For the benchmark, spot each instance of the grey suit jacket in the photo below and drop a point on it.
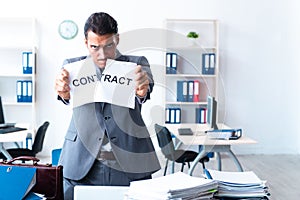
(124, 127)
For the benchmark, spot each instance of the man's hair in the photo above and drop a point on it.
(100, 23)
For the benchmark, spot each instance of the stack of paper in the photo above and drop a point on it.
(173, 186)
(238, 184)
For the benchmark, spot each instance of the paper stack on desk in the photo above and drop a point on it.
(173, 186)
(238, 184)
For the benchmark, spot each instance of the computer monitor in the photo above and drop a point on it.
(212, 112)
(2, 121)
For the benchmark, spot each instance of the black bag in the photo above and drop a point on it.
(49, 179)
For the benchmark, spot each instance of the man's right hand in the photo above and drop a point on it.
(62, 84)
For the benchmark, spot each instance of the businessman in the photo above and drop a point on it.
(106, 144)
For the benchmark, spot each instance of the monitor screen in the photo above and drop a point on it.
(212, 112)
(1, 113)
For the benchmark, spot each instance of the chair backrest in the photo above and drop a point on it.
(39, 138)
(165, 141)
(55, 155)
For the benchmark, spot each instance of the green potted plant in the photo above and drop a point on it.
(192, 35)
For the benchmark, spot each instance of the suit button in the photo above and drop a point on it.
(107, 117)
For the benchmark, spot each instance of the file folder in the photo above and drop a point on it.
(168, 63)
(29, 91)
(24, 91)
(177, 115)
(196, 91)
(201, 115)
(174, 63)
(172, 116)
(16, 182)
(182, 91)
(190, 91)
(30, 61)
(27, 62)
(20, 91)
(167, 115)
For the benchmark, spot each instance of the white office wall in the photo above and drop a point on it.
(259, 47)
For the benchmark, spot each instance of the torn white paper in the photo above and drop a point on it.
(116, 86)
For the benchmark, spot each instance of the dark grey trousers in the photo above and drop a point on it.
(100, 174)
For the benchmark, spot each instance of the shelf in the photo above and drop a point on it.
(195, 73)
(185, 103)
(17, 104)
(15, 47)
(190, 76)
(191, 48)
(17, 75)
(192, 20)
(18, 35)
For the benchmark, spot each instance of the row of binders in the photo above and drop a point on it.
(173, 115)
(188, 90)
(24, 91)
(171, 63)
(27, 62)
(208, 63)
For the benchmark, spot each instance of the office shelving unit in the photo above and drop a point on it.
(17, 35)
(189, 62)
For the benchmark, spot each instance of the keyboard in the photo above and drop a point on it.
(6, 125)
(11, 129)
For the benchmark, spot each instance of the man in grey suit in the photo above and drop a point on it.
(106, 144)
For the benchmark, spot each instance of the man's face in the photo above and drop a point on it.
(102, 47)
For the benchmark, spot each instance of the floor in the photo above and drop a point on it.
(282, 172)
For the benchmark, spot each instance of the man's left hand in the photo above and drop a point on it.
(142, 82)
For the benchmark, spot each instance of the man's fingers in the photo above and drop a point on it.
(62, 82)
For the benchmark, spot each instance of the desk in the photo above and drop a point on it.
(19, 136)
(83, 192)
(207, 144)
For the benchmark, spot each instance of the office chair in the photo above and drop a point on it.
(36, 147)
(166, 144)
(55, 155)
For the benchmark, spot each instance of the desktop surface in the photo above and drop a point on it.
(11, 129)
(199, 136)
(83, 192)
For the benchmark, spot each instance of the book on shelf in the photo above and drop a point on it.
(171, 63)
(208, 63)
